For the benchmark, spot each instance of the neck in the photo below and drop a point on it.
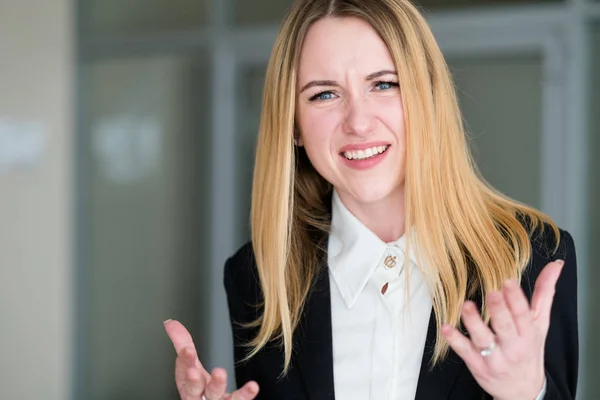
(384, 217)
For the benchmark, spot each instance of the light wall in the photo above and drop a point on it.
(36, 198)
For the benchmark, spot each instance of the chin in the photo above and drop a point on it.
(371, 193)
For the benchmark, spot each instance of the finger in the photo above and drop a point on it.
(465, 350)
(187, 359)
(518, 306)
(480, 333)
(247, 392)
(190, 380)
(191, 383)
(215, 390)
(501, 318)
(184, 346)
(180, 337)
(543, 294)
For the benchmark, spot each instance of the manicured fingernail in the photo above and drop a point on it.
(165, 321)
(560, 263)
(253, 388)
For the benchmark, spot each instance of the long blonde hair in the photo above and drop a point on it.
(471, 236)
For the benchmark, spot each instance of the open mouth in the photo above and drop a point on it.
(365, 154)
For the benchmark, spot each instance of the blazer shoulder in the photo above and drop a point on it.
(545, 248)
(242, 260)
(241, 276)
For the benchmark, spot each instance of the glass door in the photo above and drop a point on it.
(501, 100)
(146, 238)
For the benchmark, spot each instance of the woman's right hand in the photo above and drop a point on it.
(193, 381)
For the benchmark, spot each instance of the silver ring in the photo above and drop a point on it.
(486, 352)
(203, 397)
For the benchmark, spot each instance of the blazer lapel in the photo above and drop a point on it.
(315, 349)
(437, 383)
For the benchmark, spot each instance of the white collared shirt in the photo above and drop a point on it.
(378, 339)
(377, 343)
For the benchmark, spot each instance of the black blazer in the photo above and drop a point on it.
(311, 373)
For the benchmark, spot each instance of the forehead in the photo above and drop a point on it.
(336, 45)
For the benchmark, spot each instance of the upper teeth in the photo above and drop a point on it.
(360, 154)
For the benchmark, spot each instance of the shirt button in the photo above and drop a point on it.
(385, 288)
(390, 261)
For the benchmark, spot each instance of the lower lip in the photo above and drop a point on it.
(367, 162)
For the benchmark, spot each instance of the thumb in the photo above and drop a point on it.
(543, 294)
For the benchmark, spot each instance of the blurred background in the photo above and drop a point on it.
(127, 133)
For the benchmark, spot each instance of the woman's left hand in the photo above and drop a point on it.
(508, 362)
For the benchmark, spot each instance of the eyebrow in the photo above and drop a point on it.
(381, 73)
(334, 83)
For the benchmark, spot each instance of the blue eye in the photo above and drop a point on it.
(322, 96)
(385, 85)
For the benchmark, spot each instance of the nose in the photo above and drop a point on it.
(359, 119)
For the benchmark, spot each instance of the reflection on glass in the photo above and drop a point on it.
(118, 17)
(146, 212)
(126, 148)
(22, 144)
(501, 101)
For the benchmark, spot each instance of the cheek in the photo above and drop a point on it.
(391, 114)
(318, 128)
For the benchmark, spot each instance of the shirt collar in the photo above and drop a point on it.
(354, 252)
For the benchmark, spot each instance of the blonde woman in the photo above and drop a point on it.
(381, 265)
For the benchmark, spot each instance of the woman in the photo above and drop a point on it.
(382, 266)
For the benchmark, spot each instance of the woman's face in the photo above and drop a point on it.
(349, 110)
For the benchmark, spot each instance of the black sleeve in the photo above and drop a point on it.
(240, 312)
(244, 298)
(562, 344)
